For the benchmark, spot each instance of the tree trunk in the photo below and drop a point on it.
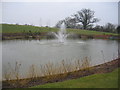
(84, 26)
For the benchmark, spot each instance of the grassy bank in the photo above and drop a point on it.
(88, 32)
(10, 28)
(107, 80)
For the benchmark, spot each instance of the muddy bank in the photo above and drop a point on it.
(25, 83)
(41, 35)
(11, 36)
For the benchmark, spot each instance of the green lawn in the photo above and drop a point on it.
(10, 28)
(88, 32)
(107, 80)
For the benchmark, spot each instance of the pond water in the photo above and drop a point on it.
(28, 52)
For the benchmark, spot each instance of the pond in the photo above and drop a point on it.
(37, 52)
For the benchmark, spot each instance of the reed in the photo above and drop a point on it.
(103, 56)
(49, 71)
(85, 63)
(7, 73)
(16, 71)
(32, 71)
(77, 65)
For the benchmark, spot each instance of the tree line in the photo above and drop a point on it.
(85, 19)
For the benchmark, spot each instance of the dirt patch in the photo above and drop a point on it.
(11, 36)
(25, 83)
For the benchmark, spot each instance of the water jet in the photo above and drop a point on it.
(61, 35)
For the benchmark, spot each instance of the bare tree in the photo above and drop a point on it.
(59, 23)
(98, 28)
(109, 27)
(70, 22)
(118, 30)
(86, 17)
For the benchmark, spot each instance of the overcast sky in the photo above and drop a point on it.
(49, 13)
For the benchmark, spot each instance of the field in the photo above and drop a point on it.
(88, 32)
(106, 80)
(10, 28)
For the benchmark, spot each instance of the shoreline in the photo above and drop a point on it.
(15, 31)
(42, 35)
(102, 68)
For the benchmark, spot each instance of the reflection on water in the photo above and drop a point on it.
(40, 52)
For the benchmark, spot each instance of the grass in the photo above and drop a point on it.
(107, 80)
(10, 28)
(88, 32)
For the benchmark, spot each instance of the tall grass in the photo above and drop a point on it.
(50, 71)
(7, 73)
(32, 71)
(103, 55)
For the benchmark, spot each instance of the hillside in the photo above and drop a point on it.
(11, 28)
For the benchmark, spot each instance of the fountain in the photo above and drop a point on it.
(61, 34)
